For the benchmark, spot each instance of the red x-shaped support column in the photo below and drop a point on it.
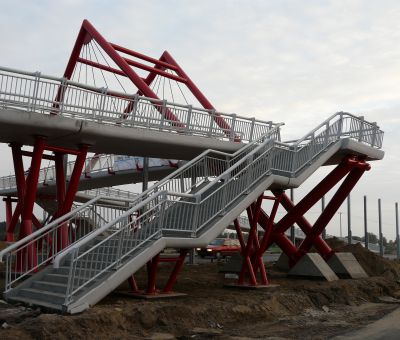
(252, 252)
(352, 168)
(27, 182)
(152, 270)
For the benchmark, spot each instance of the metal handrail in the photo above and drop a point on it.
(41, 247)
(25, 90)
(263, 151)
(250, 164)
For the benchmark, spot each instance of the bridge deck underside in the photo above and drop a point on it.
(21, 127)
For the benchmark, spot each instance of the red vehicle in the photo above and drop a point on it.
(219, 248)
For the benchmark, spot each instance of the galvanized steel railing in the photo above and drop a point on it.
(187, 200)
(49, 95)
(190, 198)
(35, 251)
(110, 192)
(48, 174)
(95, 164)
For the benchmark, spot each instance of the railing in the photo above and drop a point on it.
(110, 192)
(95, 164)
(35, 92)
(208, 186)
(187, 200)
(48, 174)
(28, 255)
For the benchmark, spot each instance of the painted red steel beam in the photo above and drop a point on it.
(313, 196)
(15, 217)
(239, 234)
(31, 185)
(133, 284)
(198, 94)
(74, 180)
(247, 265)
(330, 210)
(152, 267)
(9, 235)
(62, 236)
(157, 71)
(177, 268)
(29, 201)
(135, 54)
(101, 66)
(29, 154)
(131, 74)
(280, 239)
(62, 150)
(320, 244)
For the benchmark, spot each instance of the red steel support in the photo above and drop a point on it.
(9, 234)
(152, 267)
(88, 32)
(253, 251)
(330, 210)
(62, 235)
(351, 166)
(174, 275)
(199, 95)
(74, 180)
(29, 200)
(31, 185)
(133, 284)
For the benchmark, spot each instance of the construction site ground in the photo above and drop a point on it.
(294, 309)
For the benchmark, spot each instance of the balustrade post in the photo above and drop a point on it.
(360, 134)
(35, 91)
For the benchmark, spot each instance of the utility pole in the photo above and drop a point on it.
(380, 228)
(340, 223)
(396, 206)
(365, 224)
(349, 235)
(292, 231)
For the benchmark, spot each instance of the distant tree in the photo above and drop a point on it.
(357, 238)
(372, 238)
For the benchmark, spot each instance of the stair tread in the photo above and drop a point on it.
(36, 302)
(41, 291)
(56, 284)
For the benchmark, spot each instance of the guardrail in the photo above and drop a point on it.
(188, 210)
(44, 94)
(195, 194)
(28, 255)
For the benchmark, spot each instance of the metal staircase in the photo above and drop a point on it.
(186, 209)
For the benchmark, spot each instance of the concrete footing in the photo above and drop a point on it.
(283, 263)
(346, 266)
(312, 265)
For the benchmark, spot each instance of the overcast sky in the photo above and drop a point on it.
(291, 61)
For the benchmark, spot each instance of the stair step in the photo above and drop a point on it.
(42, 295)
(50, 286)
(36, 302)
(56, 278)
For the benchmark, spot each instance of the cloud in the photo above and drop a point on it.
(291, 61)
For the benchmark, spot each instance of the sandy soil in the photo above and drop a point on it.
(295, 309)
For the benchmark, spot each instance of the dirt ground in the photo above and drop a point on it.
(295, 309)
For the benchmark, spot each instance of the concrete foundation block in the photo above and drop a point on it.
(312, 265)
(282, 263)
(346, 266)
